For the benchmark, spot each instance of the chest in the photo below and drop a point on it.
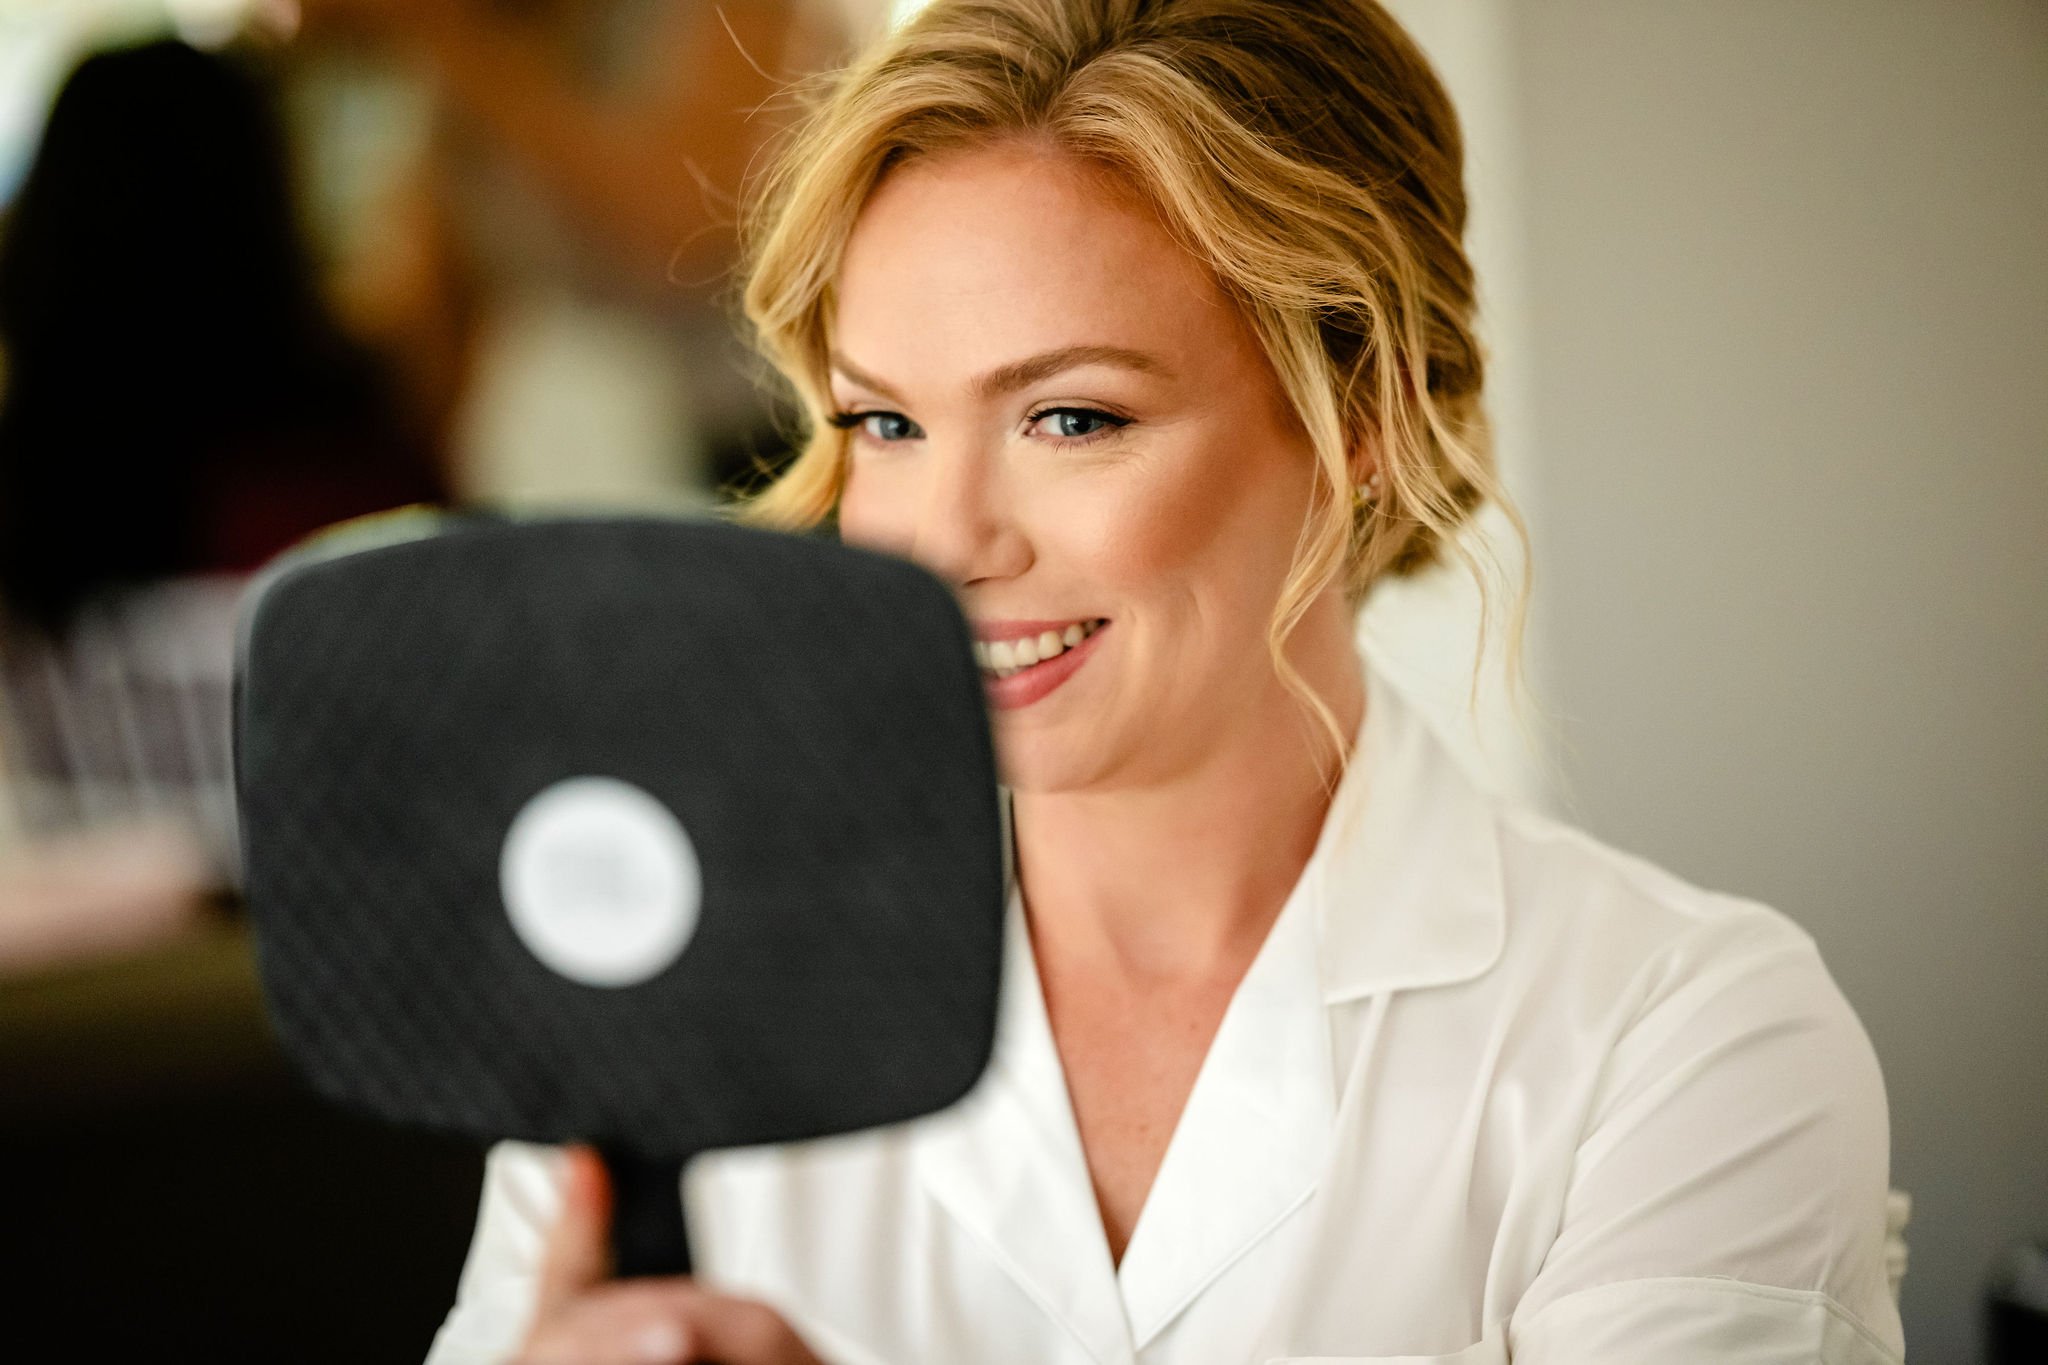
(1280, 1224)
(1130, 1057)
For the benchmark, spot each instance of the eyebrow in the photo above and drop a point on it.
(1019, 374)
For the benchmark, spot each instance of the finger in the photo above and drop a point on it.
(635, 1322)
(741, 1332)
(579, 1247)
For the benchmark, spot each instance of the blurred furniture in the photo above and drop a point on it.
(2016, 1307)
(118, 728)
(177, 1194)
(1898, 1211)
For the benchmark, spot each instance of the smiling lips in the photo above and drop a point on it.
(1022, 661)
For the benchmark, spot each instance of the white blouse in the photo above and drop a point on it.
(1490, 1091)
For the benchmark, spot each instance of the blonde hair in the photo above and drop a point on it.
(1304, 149)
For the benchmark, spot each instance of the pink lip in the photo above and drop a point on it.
(988, 632)
(1022, 689)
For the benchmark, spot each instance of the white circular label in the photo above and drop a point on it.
(600, 881)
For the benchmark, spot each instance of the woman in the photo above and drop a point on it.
(1148, 325)
(179, 406)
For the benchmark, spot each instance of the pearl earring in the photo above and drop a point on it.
(1369, 491)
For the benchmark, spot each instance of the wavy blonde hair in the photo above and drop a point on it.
(1304, 149)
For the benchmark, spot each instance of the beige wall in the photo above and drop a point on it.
(1423, 631)
(1788, 329)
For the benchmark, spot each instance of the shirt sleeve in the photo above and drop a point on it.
(1727, 1196)
(494, 1300)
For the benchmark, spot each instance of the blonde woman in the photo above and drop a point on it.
(1147, 324)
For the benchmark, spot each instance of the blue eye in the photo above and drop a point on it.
(1077, 424)
(891, 426)
(879, 426)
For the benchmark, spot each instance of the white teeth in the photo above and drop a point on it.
(1006, 657)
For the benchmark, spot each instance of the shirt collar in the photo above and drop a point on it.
(1405, 881)
(1406, 876)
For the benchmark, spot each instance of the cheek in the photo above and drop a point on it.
(874, 513)
(1213, 525)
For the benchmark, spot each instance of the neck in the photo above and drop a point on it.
(1181, 878)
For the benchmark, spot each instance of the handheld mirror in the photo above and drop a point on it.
(668, 836)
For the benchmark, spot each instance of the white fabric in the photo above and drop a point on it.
(1490, 1091)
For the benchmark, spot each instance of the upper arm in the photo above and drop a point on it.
(1727, 1194)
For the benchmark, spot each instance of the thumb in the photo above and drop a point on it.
(578, 1253)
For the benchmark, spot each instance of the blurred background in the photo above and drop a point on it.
(1767, 290)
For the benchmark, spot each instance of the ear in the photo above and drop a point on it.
(1363, 462)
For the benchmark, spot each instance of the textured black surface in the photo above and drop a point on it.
(811, 713)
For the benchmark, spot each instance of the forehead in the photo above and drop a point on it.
(969, 260)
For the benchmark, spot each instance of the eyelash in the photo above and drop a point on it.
(1112, 423)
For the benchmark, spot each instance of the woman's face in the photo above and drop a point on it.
(1053, 407)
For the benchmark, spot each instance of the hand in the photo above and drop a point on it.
(587, 1318)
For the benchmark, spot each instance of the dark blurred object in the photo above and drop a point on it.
(177, 400)
(2017, 1306)
(717, 862)
(179, 1197)
(178, 407)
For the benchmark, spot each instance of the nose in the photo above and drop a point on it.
(967, 529)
